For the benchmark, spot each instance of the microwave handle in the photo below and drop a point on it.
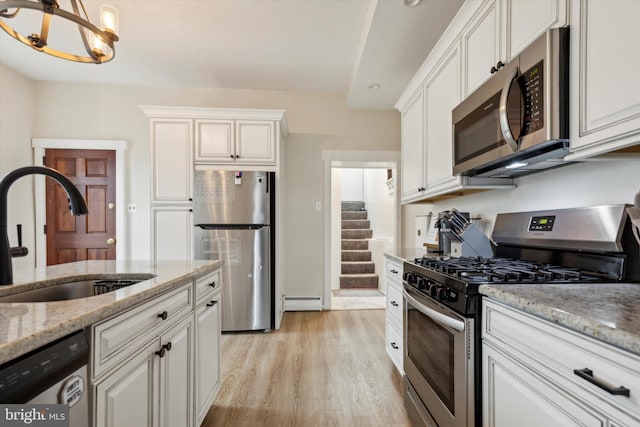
(502, 112)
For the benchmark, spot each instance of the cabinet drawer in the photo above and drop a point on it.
(121, 336)
(394, 305)
(393, 270)
(394, 346)
(560, 351)
(207, 285)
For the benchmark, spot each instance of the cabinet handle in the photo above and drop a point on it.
(232, 156)
(190, 199)
(393, 303)
(212, 284)
(587, 374)
(160, 352)
(167, 346)
(212, 303)
(394, 345)
(497, 67)
(163, 315)
(394, 271)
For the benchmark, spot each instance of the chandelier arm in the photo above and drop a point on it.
(83, 35)
(4, 13)
(41, 41)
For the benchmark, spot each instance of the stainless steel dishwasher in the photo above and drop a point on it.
(53, 374)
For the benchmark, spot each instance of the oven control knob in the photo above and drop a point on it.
(406, 275)
(434, 290)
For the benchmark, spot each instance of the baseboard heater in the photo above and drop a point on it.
(313, 303)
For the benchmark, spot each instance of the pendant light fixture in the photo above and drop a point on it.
(98, 43)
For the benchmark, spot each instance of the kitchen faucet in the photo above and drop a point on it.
(76, 204)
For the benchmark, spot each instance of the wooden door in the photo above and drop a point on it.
(91, 236)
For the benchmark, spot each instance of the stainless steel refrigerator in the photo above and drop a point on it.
(232, 217)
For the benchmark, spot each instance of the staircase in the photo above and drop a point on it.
(357, 270)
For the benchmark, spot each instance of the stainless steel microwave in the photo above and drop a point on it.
(517, 122)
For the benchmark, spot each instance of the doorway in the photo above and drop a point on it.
(87, 237)
(119, 147)
(383, 213)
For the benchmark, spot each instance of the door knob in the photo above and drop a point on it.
(111, 205)
(111, 241)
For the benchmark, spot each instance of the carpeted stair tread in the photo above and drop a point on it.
(358, 267)
(356, 224)
(358, 281)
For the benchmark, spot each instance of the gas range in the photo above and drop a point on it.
(562, 246)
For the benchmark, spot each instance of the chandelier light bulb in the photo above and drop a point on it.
(109, 19)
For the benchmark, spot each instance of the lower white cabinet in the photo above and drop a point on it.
(207, 355)
(394, 329)
(530, 374)
(168, 374)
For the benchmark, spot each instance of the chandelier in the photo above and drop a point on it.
(98, 43)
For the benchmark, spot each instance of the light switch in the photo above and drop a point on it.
(318, 206)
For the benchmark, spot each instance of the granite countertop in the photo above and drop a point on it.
(606, 311)
(405, 254)
(27, 326)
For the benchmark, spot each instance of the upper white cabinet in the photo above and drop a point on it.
(481, 45)
(235, 141)
(413, 147)
(605, 90)
(171, 160)
(525, 21)
(442, 94)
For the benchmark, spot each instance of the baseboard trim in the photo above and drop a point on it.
(313, 303)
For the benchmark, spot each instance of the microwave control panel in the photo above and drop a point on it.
(532, 86)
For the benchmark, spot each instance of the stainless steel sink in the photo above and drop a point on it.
(77, 289)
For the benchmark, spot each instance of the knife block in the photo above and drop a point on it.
(474, 244)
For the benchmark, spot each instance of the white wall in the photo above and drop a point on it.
(597, 182)
(17, 106)
(352, 184)
(317, 121)
(380, 203)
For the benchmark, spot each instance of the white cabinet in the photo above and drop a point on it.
(605, 90)
(171, 232)
(531, 373)
(235, 141)
(394, 312)
(525, 21)
(158, 364)
(499, 30)
(442, 94)
(481, 45)
(207, 355)
(128, 397)
(176, 376)
(171, 161)
(413, 160)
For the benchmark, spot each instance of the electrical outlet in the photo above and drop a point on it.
(131, 208)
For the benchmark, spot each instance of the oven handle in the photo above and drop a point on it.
(435, 315)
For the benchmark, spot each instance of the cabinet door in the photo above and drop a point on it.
(442, 94)
(172, 163)
(527, 20)
(171, 233)
(215, 141)
(176, 370)
(255, 142)
(207, 356)
(128, 397)
(412, 136)
(481, 46)
(605, 90)
(513, 395)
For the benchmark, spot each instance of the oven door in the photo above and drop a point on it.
(438, 359)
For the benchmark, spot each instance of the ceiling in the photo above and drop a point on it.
(291, 45)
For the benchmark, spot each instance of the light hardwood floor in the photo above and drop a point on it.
(320, 369)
